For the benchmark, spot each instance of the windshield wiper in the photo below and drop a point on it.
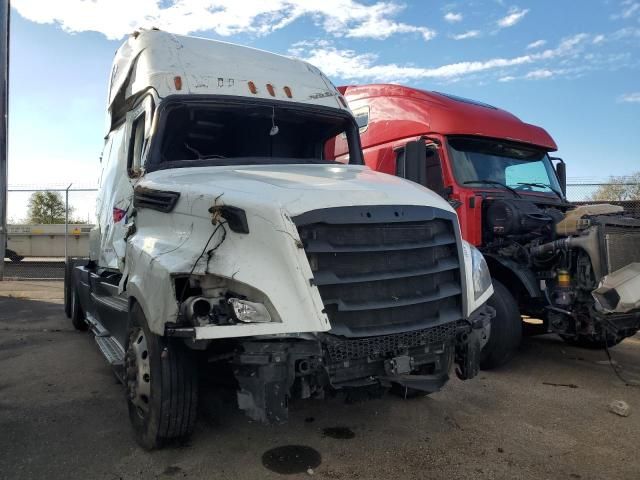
(494, 182)
(543, 185)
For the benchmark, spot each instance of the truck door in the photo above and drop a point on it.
(419, 162)
(121, 170)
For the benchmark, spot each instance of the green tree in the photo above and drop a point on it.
(46, 207)
(619, 188)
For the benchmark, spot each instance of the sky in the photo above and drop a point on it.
(572, 67)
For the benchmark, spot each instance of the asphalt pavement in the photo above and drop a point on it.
(545, 416)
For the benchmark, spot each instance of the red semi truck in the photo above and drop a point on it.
(548, 260)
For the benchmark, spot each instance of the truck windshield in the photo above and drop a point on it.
(517, 167)
(247, 133)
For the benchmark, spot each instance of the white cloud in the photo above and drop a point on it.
(629, 9)
(453, 17)
(633, 97)
(539, 74)
(466, 35)
(598, 39)
(116, 18)
(536, 44)
(508, 78)
(349, 65)
(627, 32)
(514, 16)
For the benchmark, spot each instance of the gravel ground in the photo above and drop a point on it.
(545, 416)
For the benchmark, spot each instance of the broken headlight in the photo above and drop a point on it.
(249, 312)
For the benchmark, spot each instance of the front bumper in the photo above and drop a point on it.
(270, 370)
(471, 339)
(619, 324)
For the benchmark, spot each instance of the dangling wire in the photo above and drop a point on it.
(627, 383)
(274, 128)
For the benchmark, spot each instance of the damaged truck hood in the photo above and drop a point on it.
(294, 189)
(266, 255)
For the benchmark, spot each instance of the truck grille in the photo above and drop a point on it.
(341, 349)
(383, 271)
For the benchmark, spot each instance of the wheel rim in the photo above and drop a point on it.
(139, 373)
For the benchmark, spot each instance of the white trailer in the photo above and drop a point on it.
(47, 240)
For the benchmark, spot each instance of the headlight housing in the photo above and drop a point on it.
(249, 312)
(479, 269)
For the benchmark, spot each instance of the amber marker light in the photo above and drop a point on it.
(271, 90)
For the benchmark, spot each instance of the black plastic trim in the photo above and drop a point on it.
(330, 278)
(379, 215)
(522, 273)
(442, 292)
(160, 200)
(373, 214)
(313, 246)
(236, 218)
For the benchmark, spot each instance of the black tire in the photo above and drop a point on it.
(68, 281)
(171, 404)
(13, 256)
(591, 343)
(77, 315)
(506, 329)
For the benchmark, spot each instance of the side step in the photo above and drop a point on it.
(114, 354)
(96, 327)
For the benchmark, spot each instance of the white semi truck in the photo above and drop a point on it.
(227, 235)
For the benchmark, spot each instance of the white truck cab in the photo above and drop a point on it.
(227, 234)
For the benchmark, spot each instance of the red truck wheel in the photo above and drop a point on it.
(506, 329)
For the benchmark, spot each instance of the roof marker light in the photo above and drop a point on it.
(271, 90)
(287, 92)
(177, 81)
(252, 87)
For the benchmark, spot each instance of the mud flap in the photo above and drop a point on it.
(468, 355)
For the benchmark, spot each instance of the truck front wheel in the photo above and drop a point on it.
(161, 383)
(506, 329)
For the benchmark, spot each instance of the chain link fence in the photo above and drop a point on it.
(623, 192)
(45, 225)
(37, 250)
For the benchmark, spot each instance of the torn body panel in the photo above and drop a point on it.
(164, 246)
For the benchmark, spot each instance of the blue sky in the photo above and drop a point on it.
(571, 67)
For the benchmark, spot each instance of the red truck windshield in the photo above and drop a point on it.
(520, 168)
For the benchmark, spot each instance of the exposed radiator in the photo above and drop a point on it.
(622, 247)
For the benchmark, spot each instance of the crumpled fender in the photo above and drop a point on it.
(270, 258)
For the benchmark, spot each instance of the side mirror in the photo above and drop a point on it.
(561, 172)
(411, 162)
